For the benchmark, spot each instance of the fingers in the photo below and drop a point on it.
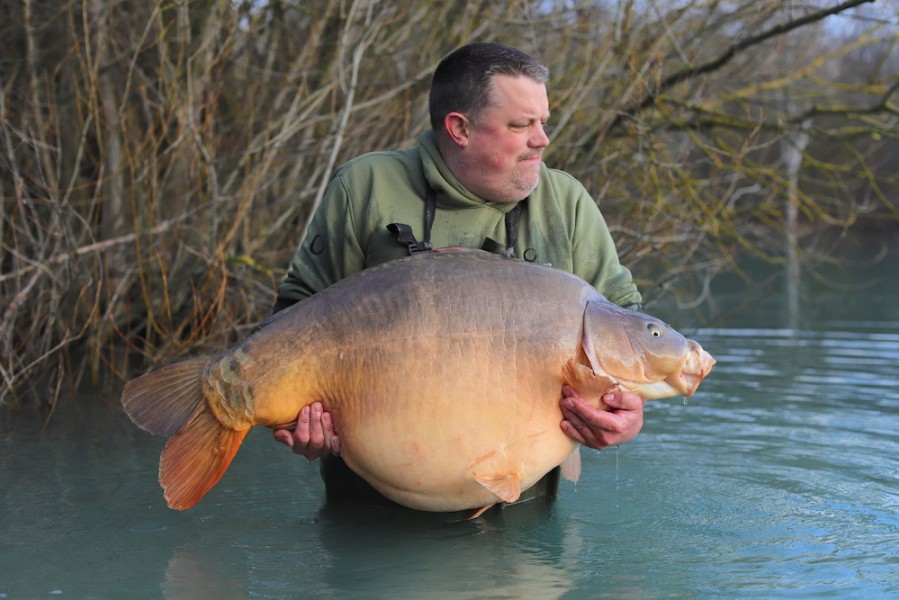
(620, 400)
(310, 427)
(333, 440)
(313, 436)
(618, 419)
(285, 436)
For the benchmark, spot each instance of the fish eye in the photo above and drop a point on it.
(654, 330)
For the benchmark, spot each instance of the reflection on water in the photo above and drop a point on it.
(779, 479)
(343, 552)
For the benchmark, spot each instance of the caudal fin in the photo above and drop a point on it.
(164, 401)
(169, 402)
(196, 458)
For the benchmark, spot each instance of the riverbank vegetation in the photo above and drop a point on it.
(159, 160)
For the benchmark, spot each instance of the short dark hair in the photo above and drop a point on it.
(463, 79)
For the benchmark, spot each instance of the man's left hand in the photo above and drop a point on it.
(617, 422)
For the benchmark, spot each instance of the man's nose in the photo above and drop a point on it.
(539, 139)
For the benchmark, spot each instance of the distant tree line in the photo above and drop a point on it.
(159, 159)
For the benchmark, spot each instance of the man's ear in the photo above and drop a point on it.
(457, 128)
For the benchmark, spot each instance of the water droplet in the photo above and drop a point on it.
(617, 461)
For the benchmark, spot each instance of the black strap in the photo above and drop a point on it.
(512, 219)
(430, 211)
(403, 233)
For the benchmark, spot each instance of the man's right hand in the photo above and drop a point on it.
(313, 435)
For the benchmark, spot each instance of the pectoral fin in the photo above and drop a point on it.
(585, 382)
(505, 486)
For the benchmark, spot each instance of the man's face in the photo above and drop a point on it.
(505, 147)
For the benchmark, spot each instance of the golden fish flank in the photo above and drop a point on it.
(457, 357)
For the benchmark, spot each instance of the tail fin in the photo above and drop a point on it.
(164, 401)
(196, 458)
(169, 402)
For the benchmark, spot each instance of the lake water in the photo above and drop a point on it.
(779, 479)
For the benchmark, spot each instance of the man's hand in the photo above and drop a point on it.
(313, 436)
(618, 422)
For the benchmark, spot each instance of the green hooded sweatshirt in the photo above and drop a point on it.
(560, 224)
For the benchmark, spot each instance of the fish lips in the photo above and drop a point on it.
(697, 367)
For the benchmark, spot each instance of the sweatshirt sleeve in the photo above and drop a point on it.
(329, 251)
(595, 256)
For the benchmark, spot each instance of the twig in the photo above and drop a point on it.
(95, 247)
(726, 56)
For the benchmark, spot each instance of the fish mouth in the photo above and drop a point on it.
(697, 366)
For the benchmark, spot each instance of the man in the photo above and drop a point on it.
(476, 177)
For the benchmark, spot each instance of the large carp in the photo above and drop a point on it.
(442, 371)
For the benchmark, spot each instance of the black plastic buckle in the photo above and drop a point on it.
(403, 235)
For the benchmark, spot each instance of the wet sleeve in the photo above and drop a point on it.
(329, 251)
(595, 256)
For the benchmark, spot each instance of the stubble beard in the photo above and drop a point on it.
(519, 183)
(524, 181)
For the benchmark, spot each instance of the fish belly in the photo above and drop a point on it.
(437, 371)
(423, 431)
